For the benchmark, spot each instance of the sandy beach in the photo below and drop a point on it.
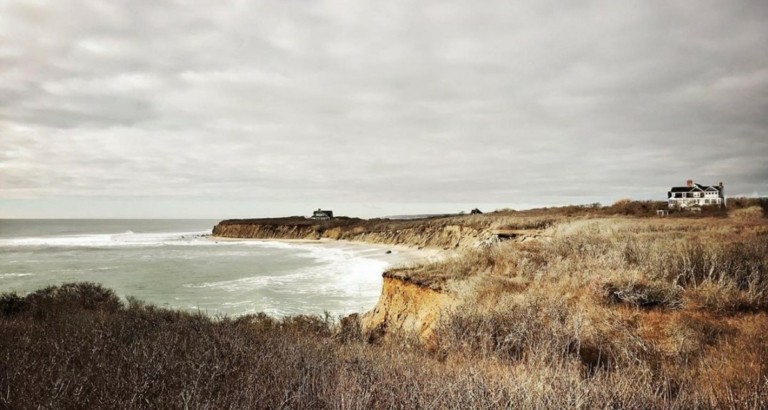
(393, 255)
(398, 254)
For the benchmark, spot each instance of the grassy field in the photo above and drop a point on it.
(599, 310)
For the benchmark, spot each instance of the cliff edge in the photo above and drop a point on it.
(408, 304)
(441, 233)
(406, 308)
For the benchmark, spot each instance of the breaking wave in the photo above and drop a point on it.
(127, 238)
(231, 276)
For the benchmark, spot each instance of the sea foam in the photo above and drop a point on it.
(127, 238)
(232, 276)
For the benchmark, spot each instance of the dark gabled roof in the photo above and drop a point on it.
(708, 188)
(322, 213)
(695, 187)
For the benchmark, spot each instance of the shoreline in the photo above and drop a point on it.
(400, 255)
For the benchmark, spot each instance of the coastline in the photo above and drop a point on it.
(374, 260)
(180, 265)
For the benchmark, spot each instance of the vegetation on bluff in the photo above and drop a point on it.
(593, 312)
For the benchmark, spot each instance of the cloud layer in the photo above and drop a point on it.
(380, 102)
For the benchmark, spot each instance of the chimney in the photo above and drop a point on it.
(689, 183)
(722, 195)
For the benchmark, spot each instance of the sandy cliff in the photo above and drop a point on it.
(406, 308)
(433, 234)
(258, 231)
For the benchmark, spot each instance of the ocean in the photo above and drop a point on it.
(174, 263)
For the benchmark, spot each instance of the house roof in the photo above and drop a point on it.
(694, 188)
(323, 212)
(708, 188)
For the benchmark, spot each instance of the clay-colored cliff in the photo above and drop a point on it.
(406, 308)
(265, 231)
(442, 233)
(407, 305)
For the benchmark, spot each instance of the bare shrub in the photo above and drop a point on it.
(349, 329)
(751, 213)
(643, 293)
(725, 298)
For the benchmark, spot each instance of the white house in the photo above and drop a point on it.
(695, 195)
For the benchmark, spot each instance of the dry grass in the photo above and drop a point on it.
(611, 312)
(659, 307)
(641, 262)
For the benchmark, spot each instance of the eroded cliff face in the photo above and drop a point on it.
(405, 306)
(445, 237)
(406, 309)
(263, 231)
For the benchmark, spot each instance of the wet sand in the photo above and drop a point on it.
(399, 255)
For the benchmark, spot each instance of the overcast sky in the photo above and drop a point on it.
(258, 108)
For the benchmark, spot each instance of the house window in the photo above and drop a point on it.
(696, 194)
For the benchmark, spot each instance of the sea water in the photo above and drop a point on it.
(175, 263)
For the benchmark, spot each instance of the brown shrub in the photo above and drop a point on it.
(540, 353)
(646, 294)
(750, 213)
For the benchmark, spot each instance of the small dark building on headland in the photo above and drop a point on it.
(322, 214)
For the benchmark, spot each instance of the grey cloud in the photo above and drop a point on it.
(83, 112)
(456, 101)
